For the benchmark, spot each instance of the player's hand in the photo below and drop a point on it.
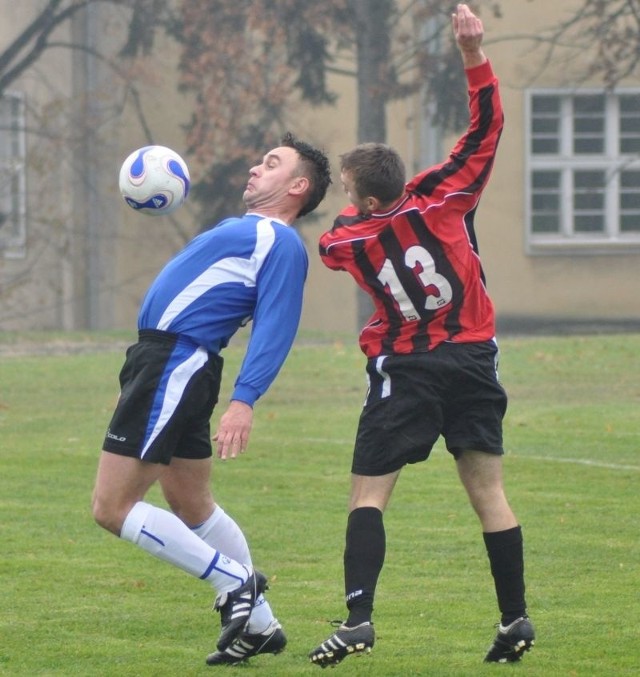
(468, 31)
(233, 430)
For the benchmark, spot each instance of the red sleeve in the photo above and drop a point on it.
(335, 244)
(470, 162)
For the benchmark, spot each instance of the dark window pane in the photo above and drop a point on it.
(629, 224)
(589, 125)
(545, 202)
(588, 146)
(541, 146)
(630, 179)
(629, 145)
(541, 103)
(630, 103)
(630, 201)
(588, 104)
(545, 180)
(545, 223)
(588, 223)
(588, 201)
(545, 126)
(629, 122)
(589, 179)
(541, 202)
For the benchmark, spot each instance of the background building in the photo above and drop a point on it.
(558, 226)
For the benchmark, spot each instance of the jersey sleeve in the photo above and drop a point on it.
(335, 257)
(280, 285)
(469, 164)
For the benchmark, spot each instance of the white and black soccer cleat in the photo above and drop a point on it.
(272, 640)
(235, 608)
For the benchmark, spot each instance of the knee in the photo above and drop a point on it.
(194, 514)
(106, 515)
(191, 508)
(494, 512)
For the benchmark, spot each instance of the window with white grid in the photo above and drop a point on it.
(583, 171)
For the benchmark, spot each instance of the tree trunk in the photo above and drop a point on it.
(371, 28)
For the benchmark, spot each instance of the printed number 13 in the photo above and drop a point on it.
(437, 289)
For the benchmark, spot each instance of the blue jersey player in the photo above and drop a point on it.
(250, 268)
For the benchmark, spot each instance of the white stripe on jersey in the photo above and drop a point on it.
(175, 388)
(231, 269)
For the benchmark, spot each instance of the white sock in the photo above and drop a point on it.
(162, 534)
(222, 533)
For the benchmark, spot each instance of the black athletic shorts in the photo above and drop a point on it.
(168, 389)
(451, 391)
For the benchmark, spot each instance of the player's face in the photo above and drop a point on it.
(270, 181)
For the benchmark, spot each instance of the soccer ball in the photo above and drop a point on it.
(154, 180)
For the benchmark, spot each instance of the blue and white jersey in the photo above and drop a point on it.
(246, 268)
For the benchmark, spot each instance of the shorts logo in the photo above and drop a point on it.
(117, 438)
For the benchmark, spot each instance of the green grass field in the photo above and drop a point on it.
(76, 601)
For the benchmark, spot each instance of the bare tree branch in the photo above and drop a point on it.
(34, 40)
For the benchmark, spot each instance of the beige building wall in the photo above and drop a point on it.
(522, 285)
(578, 286)
(147, 242)
(34, 280)
(554, 287)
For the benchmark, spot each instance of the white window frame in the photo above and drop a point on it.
(611, 240)
(13, 235)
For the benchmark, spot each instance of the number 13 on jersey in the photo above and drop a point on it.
(437, 290)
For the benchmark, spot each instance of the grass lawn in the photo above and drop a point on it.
(77, 601)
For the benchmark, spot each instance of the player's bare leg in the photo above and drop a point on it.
(481, 475)
(118, 506)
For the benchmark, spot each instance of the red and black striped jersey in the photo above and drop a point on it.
(419, 261)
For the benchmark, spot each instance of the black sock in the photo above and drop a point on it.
(363, 559)
(505, 550)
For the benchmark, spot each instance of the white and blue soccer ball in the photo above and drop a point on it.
(154, 180)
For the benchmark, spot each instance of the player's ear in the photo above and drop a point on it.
(299, 186)
(371, 204)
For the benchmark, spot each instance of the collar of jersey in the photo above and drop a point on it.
(271, 218)
(396, 206)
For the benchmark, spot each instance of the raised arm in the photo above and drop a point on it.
(469, 164)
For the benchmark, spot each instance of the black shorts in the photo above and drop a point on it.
(451, 391)
(168, 389)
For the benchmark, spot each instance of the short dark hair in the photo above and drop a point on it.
(376, 170)
(316, 168)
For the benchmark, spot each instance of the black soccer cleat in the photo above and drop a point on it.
(511, 642)
(272, 640)
(235, 608)
(345, 642)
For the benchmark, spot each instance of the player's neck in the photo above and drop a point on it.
(280, 212)
(389, 206)
(266, 215)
